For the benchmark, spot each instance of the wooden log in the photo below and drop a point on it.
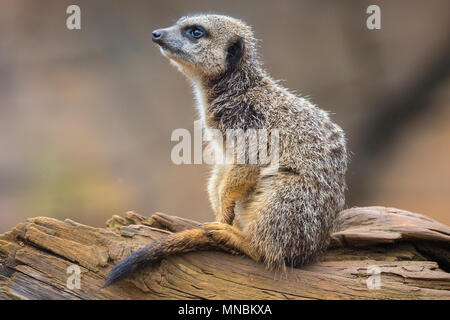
(376, 253)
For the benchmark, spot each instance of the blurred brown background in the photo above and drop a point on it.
(86, 116)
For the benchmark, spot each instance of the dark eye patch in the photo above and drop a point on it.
(194, 32)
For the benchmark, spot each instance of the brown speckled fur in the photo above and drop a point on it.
(284, 218)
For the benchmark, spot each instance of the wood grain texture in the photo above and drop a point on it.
(411, 251)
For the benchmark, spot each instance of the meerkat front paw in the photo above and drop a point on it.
(227, 213)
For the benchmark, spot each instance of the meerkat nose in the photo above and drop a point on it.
(157, 35)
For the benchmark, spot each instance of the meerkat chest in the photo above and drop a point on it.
(213, 153)
(201, 103)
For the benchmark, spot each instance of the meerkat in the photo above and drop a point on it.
(282, 218)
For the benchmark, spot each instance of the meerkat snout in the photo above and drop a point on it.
(157, 35)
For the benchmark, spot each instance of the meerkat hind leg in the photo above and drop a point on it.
(230, 237)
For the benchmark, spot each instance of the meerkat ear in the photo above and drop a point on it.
(235, 51)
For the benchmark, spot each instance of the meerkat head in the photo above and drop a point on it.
(204, 47)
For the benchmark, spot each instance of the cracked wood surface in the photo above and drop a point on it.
(411, 251)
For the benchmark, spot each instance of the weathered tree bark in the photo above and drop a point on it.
(411, 252)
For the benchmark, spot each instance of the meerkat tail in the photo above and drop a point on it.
(181, 242)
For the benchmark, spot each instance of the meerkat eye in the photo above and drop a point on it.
(195, 32)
